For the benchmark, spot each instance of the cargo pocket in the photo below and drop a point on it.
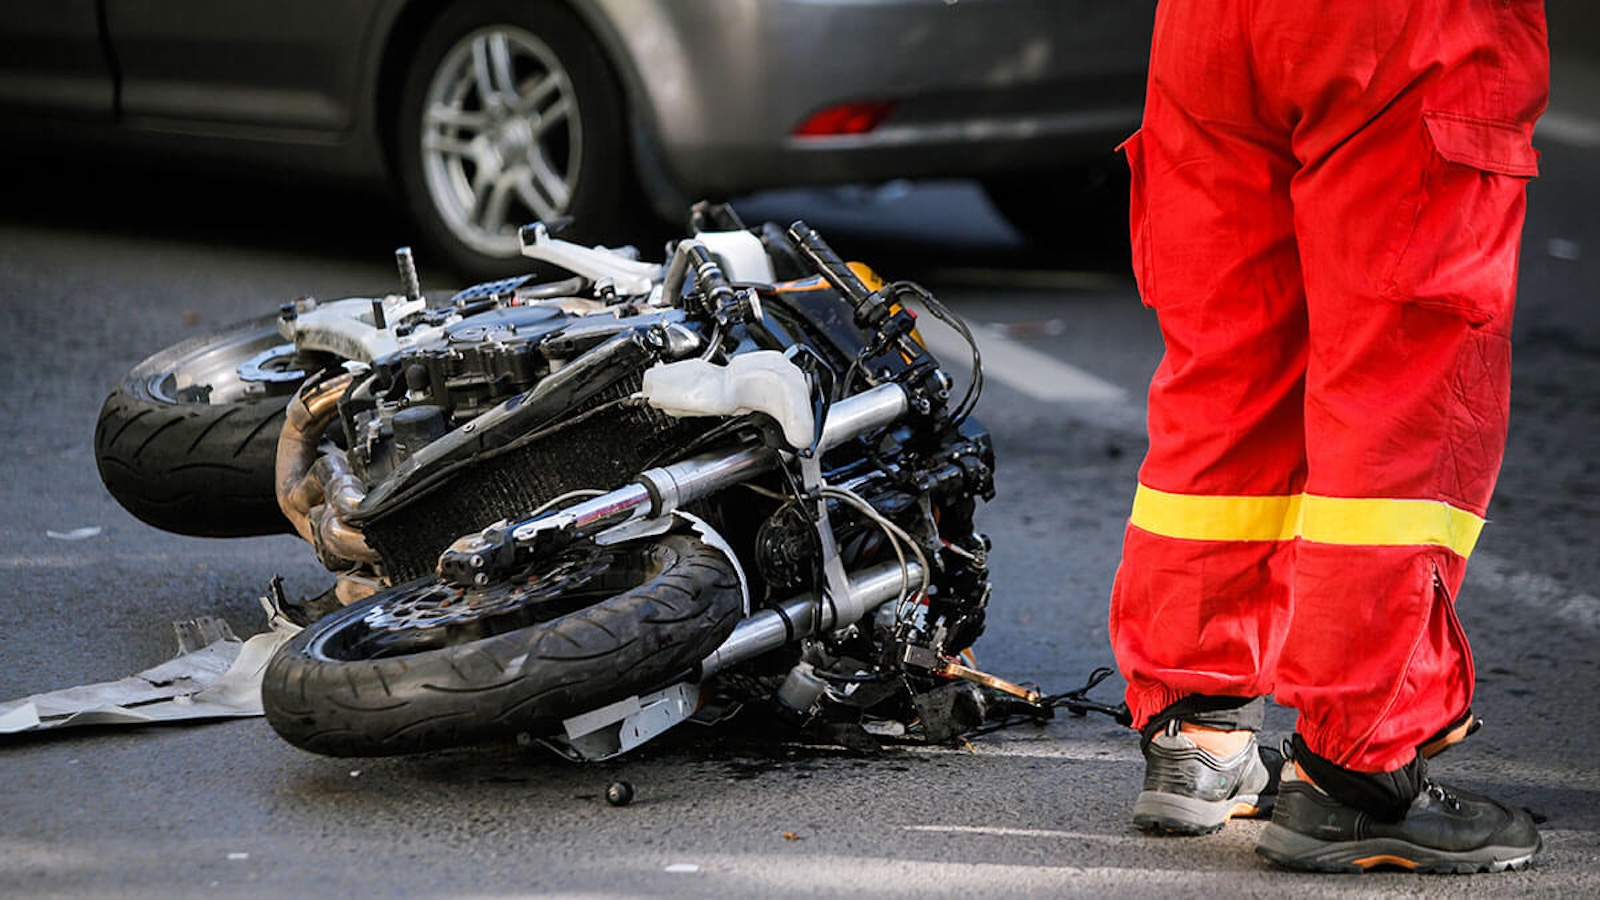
(1138, 216)
(1461, 229)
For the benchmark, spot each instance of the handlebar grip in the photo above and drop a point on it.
(831, 267)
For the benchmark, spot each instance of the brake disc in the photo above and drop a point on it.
(542, 592)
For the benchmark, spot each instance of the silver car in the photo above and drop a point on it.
(489, 114)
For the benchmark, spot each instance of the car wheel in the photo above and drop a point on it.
(1077, 213)
(510, 115)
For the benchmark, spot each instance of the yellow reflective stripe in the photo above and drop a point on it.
(1326, 520)
(1389, 523)
(1198, 518)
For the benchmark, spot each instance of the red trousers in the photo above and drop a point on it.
(1327, 207)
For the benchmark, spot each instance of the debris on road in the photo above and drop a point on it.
(75, 534)
(214, 675)
(619, 793)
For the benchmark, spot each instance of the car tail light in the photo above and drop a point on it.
(859, 117)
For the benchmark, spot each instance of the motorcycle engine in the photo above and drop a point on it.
(413, 397)
(581, 435)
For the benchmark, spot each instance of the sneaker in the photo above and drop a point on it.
(1188, 790)
(1444, 831)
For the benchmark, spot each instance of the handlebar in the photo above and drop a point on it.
(870, 308)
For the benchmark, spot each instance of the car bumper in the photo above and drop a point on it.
(975, 87)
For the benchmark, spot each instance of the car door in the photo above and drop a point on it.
(52, 61)
(228, 66)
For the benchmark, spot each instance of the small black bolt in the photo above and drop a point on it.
(619, 793)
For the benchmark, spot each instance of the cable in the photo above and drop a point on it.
(969, 399)
(897, 536)
(1076, 702)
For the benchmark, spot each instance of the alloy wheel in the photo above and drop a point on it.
(501, 137)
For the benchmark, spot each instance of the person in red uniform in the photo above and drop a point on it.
(1326, 215)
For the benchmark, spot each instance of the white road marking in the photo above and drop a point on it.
(1021, 367)
(1579, 131)
(1535, 591)
(997, 831)
(1081, 750)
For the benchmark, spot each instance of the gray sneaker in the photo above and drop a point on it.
(1189, 791)
(1443, 831)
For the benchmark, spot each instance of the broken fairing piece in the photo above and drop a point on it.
(220, 679)
(619, 727)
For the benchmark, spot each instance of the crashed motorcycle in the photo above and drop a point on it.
(585, 505)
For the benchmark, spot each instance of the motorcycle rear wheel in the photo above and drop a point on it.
(187, 442)
(426, 666)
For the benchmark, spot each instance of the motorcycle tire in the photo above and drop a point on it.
(401, 673)
(188, 445)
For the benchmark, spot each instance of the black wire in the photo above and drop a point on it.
(857, 678)
(1076, 702)
(969, 400)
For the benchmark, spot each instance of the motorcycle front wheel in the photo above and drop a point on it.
(427, 665)
(187, 441)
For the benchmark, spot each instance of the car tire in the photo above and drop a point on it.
(509, 115)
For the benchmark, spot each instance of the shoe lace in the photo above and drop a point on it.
(1442, 794)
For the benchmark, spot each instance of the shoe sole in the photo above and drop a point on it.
(1293, 850)
(1163, 813)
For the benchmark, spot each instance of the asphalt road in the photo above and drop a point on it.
(129, 265)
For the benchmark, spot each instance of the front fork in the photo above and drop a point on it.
(494, 553)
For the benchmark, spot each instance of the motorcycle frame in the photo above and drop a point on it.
(360, 330)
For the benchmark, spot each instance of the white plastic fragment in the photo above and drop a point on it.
(75, 534)
(221, 679)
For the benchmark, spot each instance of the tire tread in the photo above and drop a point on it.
(192, 468)
(581, 661)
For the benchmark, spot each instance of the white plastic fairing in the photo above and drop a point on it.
(763, 381)
(629, 276)
(740, 254)
(347, 328)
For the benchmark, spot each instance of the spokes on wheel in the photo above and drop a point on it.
(491, 68)
(501, 137)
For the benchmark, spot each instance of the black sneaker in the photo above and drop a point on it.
(1444, 831)
(1188, 790)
